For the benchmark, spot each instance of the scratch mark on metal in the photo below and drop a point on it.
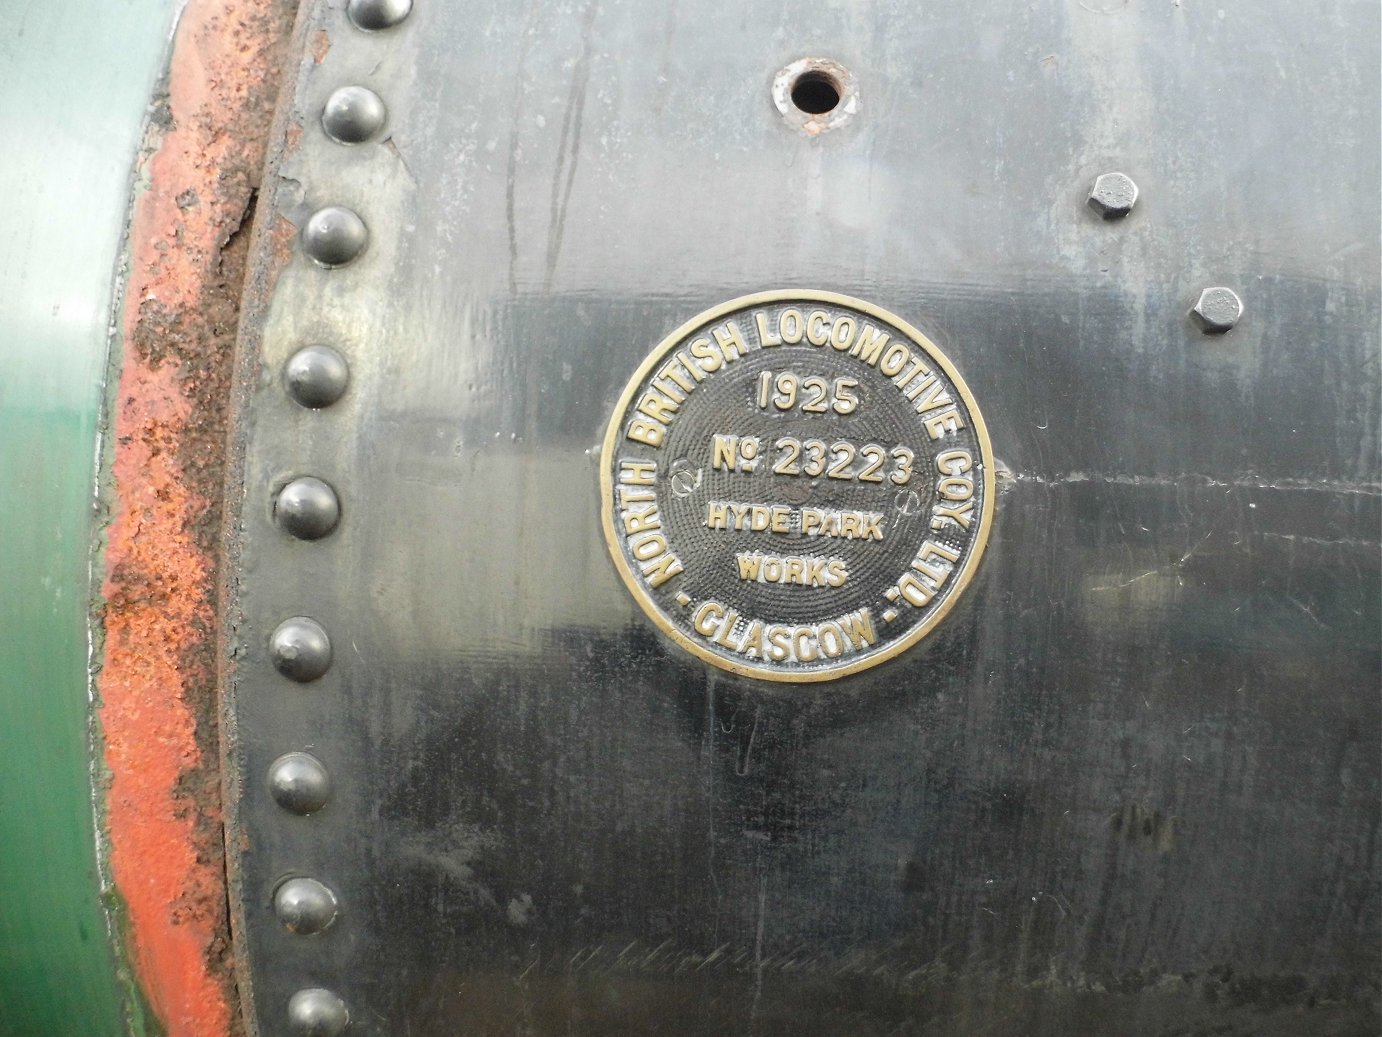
(569, 149)
(515, 149)
(758, 947)
(1309, 612)
(1242, 482)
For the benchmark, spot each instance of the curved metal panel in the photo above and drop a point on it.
(75, 106)
(1129, 785)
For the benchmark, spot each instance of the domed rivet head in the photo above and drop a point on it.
(299, 783)
(304, 906)
(372, 15)
(1113, 195)
(307, 508)
(300, 649)
(315, 1012)
(1217, 310)
(334, 236)
(316, 376)
(353, 115)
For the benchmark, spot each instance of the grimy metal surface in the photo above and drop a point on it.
(1128, 785)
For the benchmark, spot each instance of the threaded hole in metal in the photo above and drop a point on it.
(816, 92)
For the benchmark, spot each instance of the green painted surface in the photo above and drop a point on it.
(76, 78)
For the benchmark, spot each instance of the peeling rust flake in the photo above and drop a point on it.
(157, 684)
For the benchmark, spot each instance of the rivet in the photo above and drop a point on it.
(353, 115)
(304, 906)
(372, 15)
(315, 1012)
(299, 783)
(316, 376)
(307, 508)
(1217, 310)
(300, 649)
(1113, 195)
(334, 236)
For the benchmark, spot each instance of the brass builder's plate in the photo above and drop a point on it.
(796, 485)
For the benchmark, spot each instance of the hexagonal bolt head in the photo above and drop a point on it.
(1113, 195)
(1217, 310)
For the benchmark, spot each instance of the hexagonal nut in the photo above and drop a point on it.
(1217, 310)
(1113, 195)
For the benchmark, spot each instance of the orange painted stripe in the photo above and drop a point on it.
(157, 684)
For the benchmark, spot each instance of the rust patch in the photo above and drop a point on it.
(321, 43)
(157, 686)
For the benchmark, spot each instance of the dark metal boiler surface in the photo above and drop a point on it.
(1128, 785)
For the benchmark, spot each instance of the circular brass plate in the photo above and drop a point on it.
(796, 485)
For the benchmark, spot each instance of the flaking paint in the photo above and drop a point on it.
(157, 683)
